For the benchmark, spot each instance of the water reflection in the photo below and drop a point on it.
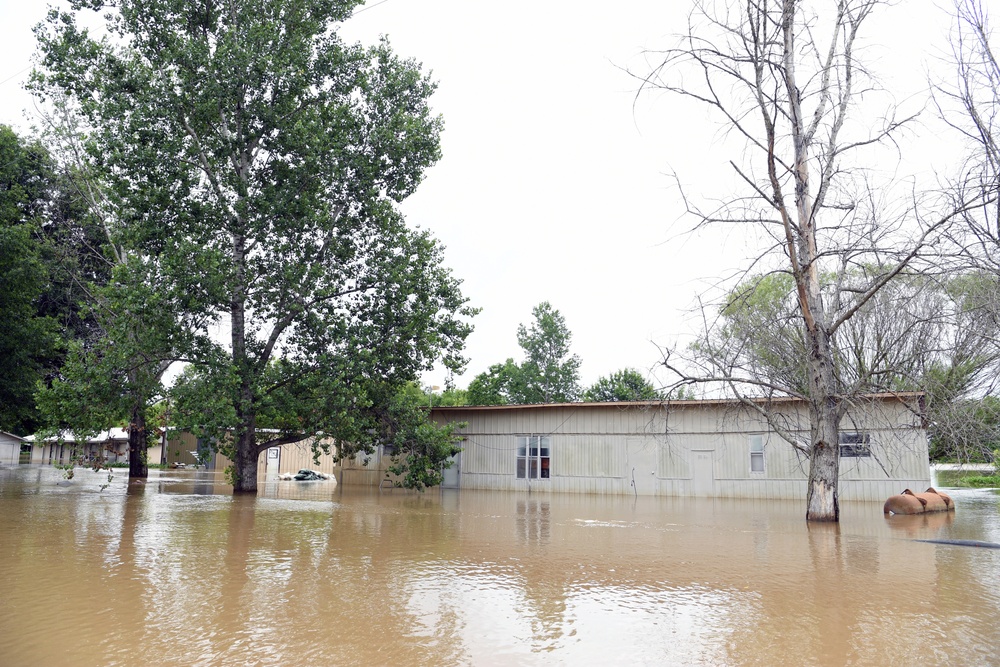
(920, 526)
(180, 572)
(533, 521)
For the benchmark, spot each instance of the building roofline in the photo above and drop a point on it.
(899, 396)
(106, 435)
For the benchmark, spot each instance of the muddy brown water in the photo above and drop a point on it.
(179, 572)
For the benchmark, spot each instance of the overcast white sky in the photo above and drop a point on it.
(554, 183)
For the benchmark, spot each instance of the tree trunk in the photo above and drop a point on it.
(138, 467)
(822, 503)
(245, 477)
(245, 473)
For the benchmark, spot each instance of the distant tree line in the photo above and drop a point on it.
(550, 373)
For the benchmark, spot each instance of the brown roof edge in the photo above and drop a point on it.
(899, 396)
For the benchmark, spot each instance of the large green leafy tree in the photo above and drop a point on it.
(627, 384)
(548, 374)
(116, 375)
(429, 397)
(53, 263)
(124, 319)
(258, 157)
(28, 338)
(500, 384)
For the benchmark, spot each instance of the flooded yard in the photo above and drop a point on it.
(179, 572)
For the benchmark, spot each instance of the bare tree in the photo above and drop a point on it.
(970, 104)
(783, 76)
(925, 333)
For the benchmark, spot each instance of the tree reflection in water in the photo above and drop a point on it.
(181, 572)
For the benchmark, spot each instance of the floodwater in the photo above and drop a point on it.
(179, 572)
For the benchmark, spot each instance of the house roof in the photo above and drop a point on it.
(898, 396)
(103, 436)
(17, 437)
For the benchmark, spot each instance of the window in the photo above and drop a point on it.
(757, 453)
(533, 457)
(854, 444)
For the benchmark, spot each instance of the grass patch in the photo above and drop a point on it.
(979, 481)
(966, 479)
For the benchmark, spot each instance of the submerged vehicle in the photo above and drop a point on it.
(307, 475)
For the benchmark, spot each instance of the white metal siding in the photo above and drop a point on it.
(9, 452)
(648, 450)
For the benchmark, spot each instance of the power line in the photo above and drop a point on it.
(29, 66)
(365, 9)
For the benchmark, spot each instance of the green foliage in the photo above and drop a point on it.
(450, 397)
(384, 415)
(548, 374)
(50, 260)
(966, 430)
(918, 333)
(422, 450)
(159, 415)
(500, 384)
(116, 378)
(761, 332)
(625, 385)
(257, 159)
(977, 481)
(28, 339)
(682, 393)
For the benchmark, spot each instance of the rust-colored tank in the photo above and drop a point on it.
(909, 502)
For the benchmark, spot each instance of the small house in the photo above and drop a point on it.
(10, 448)
(706, 448)
(110, 445)
(187, 450)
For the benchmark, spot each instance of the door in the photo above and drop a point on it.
(703, 472)
(641, 465)
(452, 475)
(273, 462)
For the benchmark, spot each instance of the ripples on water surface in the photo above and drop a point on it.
(179, 572)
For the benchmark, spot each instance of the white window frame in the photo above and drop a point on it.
(534, 457)
(858, 444)
(756, 449)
